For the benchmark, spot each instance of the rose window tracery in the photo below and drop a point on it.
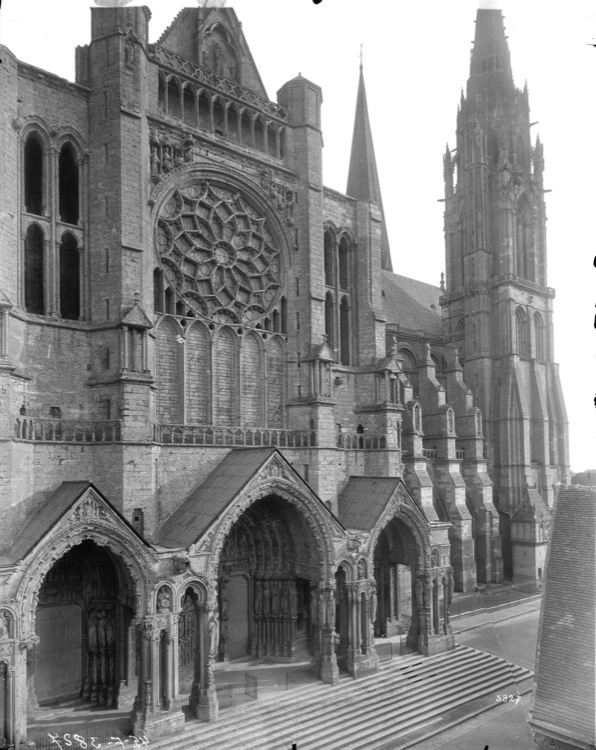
(218, 253)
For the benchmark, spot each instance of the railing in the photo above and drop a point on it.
(94, 733)
(361, 442)
(429, 452)
(236, 692)
(418, 333)
(460, 453)
(240, 436)
(67, 430)
(203, 75)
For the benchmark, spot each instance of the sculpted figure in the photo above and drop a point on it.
(163, 600)
(4, 626)
(213, 635)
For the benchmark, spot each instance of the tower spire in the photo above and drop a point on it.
(363, 177)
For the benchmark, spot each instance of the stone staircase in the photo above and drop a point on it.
(409, 699)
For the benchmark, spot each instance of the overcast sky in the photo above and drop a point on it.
(416, 60)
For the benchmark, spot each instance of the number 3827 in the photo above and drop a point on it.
(508, 698)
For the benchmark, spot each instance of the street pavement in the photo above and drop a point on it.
(510, 633)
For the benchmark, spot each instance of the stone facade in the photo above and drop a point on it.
(219, 404)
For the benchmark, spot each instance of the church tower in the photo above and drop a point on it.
(498, 306)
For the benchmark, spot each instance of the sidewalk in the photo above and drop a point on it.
(476, 619)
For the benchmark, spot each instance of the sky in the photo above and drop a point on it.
(416, 61)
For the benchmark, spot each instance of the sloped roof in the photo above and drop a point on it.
(363, 499)
(407, 302)
(563, 700)
(531, 508)
(210, 499)
(49, 513)
(363, 175)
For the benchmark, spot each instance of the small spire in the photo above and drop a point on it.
(442, 281)
(361, 56)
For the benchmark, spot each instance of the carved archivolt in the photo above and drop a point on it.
(94, 521)
(309, 508)
(402, 507)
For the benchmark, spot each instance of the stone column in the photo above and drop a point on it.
(328, 669)
(203, 694)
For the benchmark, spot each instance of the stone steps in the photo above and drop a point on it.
(408, 696)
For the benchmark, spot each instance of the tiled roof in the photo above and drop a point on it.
(188, 522)
(407, 302)
(563, 699)
(363, 499)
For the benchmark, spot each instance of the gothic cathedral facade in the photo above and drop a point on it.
(227, 427)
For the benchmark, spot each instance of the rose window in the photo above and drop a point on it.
(218, 254)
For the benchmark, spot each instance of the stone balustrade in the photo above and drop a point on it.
(67, 430)
(361, 442)
(233, 436)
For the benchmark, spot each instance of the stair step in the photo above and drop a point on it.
(404, 697)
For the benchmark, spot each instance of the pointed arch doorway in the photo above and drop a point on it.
(269, 571)
(85, 609)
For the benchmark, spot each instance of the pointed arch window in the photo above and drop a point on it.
(68, 185)
(330, 320)
(158, 291)
(521, 333)
(540, 337)
(525, 242)
(70, 284)
(329, 259)
(344, 331)
(34, 158)
(344, 263)
(174, 98)
(190, 106)
(34, 270)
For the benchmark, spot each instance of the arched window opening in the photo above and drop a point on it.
(180, 309)
(540, 337)
(284, 315)
(521, 333)
(197, 374)
(161, 93)
(158, 292)
(275, 321)
(525, 242)
(169, 298)
(344, 327)
(259, 134)
(233, 123)
(34, 261)
(225, 368)
(219, 118)
(282, 143)
(174, 98)
(344, 263)
(70, 284)
(167, 372)
(190, 106)
(204, 111)
(493, 149)
(271, 140)
(329, 320)
(33, 176)
(329, 260)
(246, 128)
(68, 185)
(409, 368)
(460, 329)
